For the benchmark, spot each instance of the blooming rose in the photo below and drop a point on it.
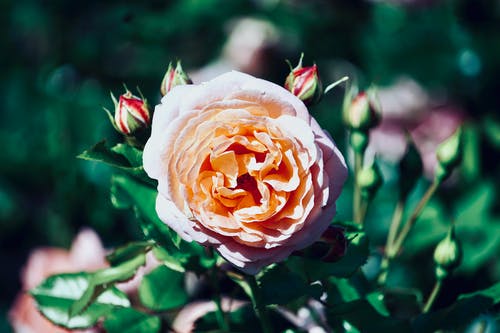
(86, 253)
(242, 166)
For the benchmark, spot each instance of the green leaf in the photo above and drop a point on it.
(190, 256)
(100, 153)
(460, 313)
(58, 293)
(344, 290)
(476, 228)
(242, 320)
(279, 285)
(122, 157)
(242, 282)
(128, 252)
(162, 289)
(364, 317)
(128, 320)
(167, 259)
(350, 226)
(356, 255)
(143, 198)
(133, 155)
(100, 280)
(117, 158)
(399, 302)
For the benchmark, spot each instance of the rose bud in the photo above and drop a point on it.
(447, 255)
(449, 154)
(131, 113)
(174, 77)
(369, 180)
(361, 113)
(304, 82)
(335, 237)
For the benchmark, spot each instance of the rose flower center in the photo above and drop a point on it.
(253, 183)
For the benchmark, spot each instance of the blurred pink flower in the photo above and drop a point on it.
(185, 320)
(439, 124)
(408, 109)
(131, 286)
(402, 106)
(87, 253)
(248, 48)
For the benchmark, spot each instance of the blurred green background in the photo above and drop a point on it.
(61, 59)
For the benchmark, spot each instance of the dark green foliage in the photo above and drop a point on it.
(62, 58)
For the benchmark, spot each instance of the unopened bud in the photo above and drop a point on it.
(360, 113)
(359, 141)
(410, 169)
(131, 113)
(369, 180)
(449, 154)
(448, 254)
(332, 246)
(335, 237)
(304, 82)
(174, 77)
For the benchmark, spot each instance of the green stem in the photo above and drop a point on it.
(358, 163)
(363, 209)
(434, 293)
(219, 312)
(259, 307)
(397, 216)
(412, 219)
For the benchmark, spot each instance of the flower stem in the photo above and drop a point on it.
(397, 216)
(356, 213)
(219, 311)
(363, 210)
(434, 293)
(412, 219)
(259, 307)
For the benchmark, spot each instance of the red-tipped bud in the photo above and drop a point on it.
(360, 113)
(304, 82)
(174, 77)
(131, 113)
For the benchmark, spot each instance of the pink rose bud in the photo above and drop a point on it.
(174, 77)
(304, 82)
(335, 237)
(131, 113)
(360, 113)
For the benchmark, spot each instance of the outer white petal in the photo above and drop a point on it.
(163, 116)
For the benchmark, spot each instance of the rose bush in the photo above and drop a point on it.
(242, 166)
